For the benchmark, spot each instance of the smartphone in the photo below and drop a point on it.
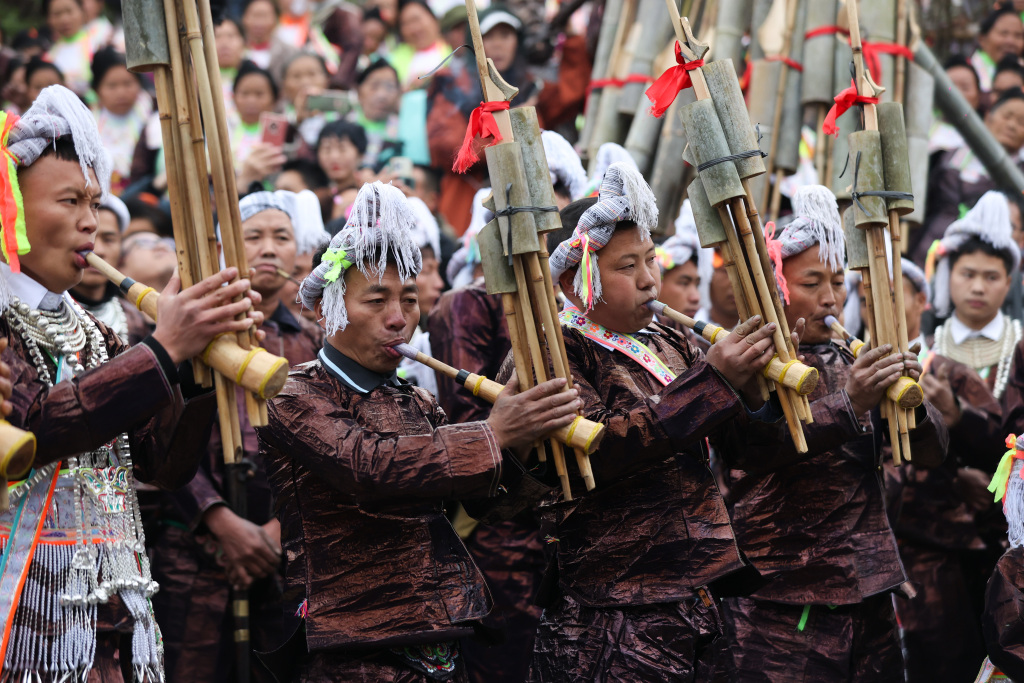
(330, 100)
(401, 168)
(273, 128)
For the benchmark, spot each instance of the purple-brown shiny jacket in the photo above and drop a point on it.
(814, 525)
(656, 526)
(358, 481)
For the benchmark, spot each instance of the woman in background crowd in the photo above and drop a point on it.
(230, 40)
(422, 48)
(255, 92)
(305, 74)
(1001, 35)
(40, 74)
(121, 113)
(262, 45)
(71, 51)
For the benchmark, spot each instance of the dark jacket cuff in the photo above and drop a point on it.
(170, 370)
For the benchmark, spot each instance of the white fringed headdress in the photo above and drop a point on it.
(425, 231)
(1008, 485)
(378, 229)
(463, 262)
(682, 246)
(607, 154)
(303, 208)
(989, 220)
(564, 164)
(816, 222)
(625, 196)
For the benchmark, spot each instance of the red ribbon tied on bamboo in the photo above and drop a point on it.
(844, 100)
(481, 125)
(675, 79)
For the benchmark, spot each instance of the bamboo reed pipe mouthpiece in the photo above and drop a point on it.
(287, 276)
(256, 370)
(856, 345)
(905, 393)
(801, 378)
(581, 433)
(17, 451)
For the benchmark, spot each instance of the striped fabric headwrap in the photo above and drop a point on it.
(624, 196)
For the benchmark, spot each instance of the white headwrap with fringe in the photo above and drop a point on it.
(463, 262)
(624, 196)
(989, 221)
(425, 231)
(816, 221)
(378, 228)
(1008, 486)
(607, 154)
(303, 208)
(682, 247)
(564, 164)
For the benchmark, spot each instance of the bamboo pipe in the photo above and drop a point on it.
(17, 452)
(520, 356)
(729, 263)
(582, 433)
(900, 393)
(780, 94)
(798, 377)
(234, 254)
(544, 294)
(257, 371)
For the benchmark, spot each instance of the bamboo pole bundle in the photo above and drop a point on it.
(17, 452)
(919, 98)
(609, 124)
(878, 18)
(515, 257)
(602, 60)
(654, 35)
(758, 17)
(731, 26)
(880, 195)
(837, 173)
(724, 146)
(784, 154)
(665, 178)
(174, 39)
(816, 85)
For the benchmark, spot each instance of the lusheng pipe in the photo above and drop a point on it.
(581, 433)
(257, 370)
(905, 392)
(801, 378)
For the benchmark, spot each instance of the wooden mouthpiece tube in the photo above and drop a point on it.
(17, 452)
(581, 433)
(258, 371)
(794, 375)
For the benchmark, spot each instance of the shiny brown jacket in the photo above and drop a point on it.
(656, 526)
(814, 525)
(359, 481)
(1003, 620)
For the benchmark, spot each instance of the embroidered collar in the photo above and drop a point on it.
(350, 373)
(618, 341)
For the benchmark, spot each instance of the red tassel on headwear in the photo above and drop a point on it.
(844, 101)
(675, 79)
(481, 125)
(774, 248)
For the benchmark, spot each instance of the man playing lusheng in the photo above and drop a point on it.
(103, 415)
(204, 548)
(628, 595)
(361, 463)
(814, 525)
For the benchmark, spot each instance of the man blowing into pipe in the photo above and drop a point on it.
(103, 415)
(361, 462)
(814, 525)
(628, 594)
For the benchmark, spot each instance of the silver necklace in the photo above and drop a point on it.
(981, 354)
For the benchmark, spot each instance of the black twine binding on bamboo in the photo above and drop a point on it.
(510, 210)
(884, 194)
(735, 157)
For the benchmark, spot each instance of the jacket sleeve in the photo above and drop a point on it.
(452, 461)
(765, 446)
(929, 442)
(978, 436)
(697, 402)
